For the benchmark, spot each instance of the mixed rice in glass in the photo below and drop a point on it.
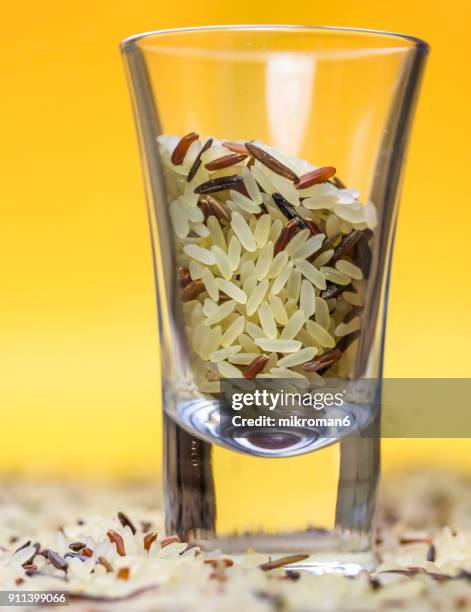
(273, 254)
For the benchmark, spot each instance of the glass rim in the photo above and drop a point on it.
(418, 43)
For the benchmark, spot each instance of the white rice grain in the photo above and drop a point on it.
(251, 186)
(286, 188)
(200, 229)
(293, 285)
(233, 253)
(278, 263)
(247, 269)
(209, 306)
(334, 276)
(216, 233)
(201, 255)
(197, 314)
(243, 358)
(326, 202)
(311, 273)
(227, 370)
(275, 230)
(320, 190)
(210, 284)
(279, 311)
(297, 242)
(343, 329)
(311, 245)
(286, 373)
(248, 344)
(278, 345)
(220, 313)
(193, 213)
(346, 267)
(244, 202)
(262, 230)
(243, 232)
(191, 198)
(281, 280)
(307, 299)
(350, 212)
(264, 261)
(249, 284)
(295, 323)
(305, 354)
(323, 258)
(371, 216)
(291, 307)
(221, 259)
(267, 320)
(262, 179)
(179, 220)
(271, 362)
(248, 256)
(319, 334)
(211, 342)
(332, 226)
(231, 290)
(192, 152)
(224, 353)
(254, 300)
(196, 269)
(200, 333)
(322, 313)
(347, 196)
(234, 330)
(254, 331)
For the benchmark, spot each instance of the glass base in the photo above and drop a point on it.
(329, 552)
(319, 504)
(359, 563)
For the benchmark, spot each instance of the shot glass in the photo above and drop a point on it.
(272, 159)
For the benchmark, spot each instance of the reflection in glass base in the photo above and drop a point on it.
(201, 418)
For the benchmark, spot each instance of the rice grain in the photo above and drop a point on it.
(305, 354)
(232, 332)
(243, 232)
(201, 255)
(278, 345)
(311, 273)
(264, 261)
(255, 299)
(294, 325)
(231, 290)
(267, 320)
(307, 299)
(220, 313)
(349, 269)
(319, 334)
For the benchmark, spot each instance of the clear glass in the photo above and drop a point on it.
(332, 96)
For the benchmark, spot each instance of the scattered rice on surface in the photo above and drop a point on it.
(418, 512)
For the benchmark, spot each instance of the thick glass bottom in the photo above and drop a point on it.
(320, 503)
(326, 554)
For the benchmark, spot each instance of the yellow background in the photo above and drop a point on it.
(79, 390)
